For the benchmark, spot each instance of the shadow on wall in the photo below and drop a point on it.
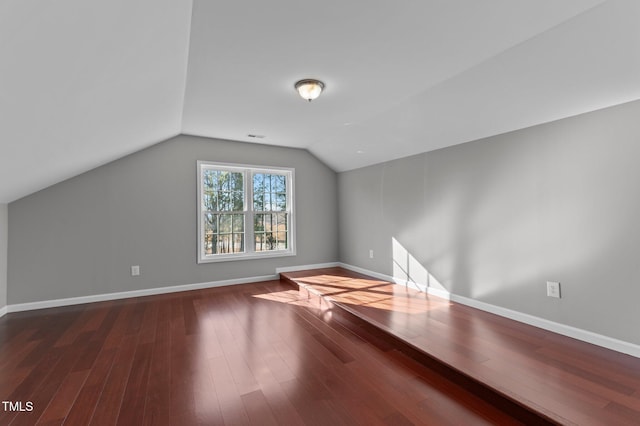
(408, 270)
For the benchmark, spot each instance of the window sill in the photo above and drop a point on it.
(244, 256)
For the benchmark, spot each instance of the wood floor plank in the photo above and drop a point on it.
(64, 399)
(258, 409)
(182, 398)
(624, 414)
(266, 353)
(107, 322)
(191, 323)
(555, 376)
(82, 410)
(281, 408)
(149, 323)
(134, 399)
(44, 393)
(115, 333)
(75, 329)
(108, 406)
(15, 346)
(88, 355)
(229, 398)
(158, 398)
(30, 384)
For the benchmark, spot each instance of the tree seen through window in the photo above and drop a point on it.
(244, 211)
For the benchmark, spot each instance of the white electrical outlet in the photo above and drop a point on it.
(370, 254)
(135, 270)
(553, 289)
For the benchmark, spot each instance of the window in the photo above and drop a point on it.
(244, 212)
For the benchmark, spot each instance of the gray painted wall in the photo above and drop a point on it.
(494, 219)
(81, 236)
(4, 220)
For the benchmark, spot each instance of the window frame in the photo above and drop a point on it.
(248, 172)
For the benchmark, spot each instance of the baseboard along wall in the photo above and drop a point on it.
(565, 330)
(54, 303)
(555, 327)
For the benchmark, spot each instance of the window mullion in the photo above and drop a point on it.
(214, 172)
(248, 217)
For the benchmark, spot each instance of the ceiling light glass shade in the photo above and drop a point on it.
(309, 89)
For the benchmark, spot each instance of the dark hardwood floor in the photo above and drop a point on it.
(250, 354)
(554, 378)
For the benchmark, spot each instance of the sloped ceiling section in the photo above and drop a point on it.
(83, 83)
(587, 63)
(402, 77)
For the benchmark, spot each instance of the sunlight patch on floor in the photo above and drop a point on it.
(360, 292)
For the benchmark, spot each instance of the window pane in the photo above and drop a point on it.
(236, 182)
(281, 202)
(270, 231)
(219, 180)
(282, 219)
(223, 233)
(225, 223)
(268, 222)
(270, 241)
(258, 182)
(238, 223)
(269, 192)
(210, 223)
(281, 183)
(258, 179)
(219, 201)
(238, 201)
(208, 244)
(224, 179)
(208, 201)
(208, 179)
(258, 201)
(238, 243)
(224, 201)
(259, 243)
(222, 206)
(258, 223)
(209, 231)
(223, 244)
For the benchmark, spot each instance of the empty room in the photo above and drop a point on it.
(320, 213)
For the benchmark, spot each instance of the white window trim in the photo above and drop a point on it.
(249, 214)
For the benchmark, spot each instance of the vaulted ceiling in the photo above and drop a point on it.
(84, 83)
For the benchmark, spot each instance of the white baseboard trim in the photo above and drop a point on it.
(443, 294)
(129, 294)
(19, 307)
(305, 267)
(373, 274)
(565, 330)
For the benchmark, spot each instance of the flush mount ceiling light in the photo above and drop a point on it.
(309, 88)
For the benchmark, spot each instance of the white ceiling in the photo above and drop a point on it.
(83, 83)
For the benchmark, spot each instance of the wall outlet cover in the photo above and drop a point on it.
(553, 289)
